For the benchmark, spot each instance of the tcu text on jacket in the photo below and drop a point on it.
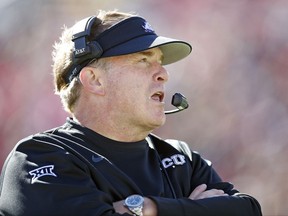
(176, 159)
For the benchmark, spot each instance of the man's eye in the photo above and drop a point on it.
(143, 60)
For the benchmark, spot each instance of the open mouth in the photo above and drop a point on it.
(158, 96)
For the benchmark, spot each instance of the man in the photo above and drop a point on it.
(104, 160)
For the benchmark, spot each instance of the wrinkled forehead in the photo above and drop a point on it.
(153, 54)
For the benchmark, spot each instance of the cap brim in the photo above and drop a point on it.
(173, 50)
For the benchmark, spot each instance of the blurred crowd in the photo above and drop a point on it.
(236, 81)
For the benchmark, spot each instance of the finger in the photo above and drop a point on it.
(197, 191)
(211, 193)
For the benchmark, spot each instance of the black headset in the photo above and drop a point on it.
(84, 49)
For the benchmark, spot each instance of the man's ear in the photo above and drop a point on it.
(91, 79)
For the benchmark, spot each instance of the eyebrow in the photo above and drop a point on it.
(149, 53)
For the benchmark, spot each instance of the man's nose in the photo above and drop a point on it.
(161, 74)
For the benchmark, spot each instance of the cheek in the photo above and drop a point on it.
(127, 85)
(121, 91)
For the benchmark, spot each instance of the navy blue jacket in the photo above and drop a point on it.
(71, 170)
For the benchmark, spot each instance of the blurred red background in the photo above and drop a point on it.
(236, 81)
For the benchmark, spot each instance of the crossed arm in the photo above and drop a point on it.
(150, 209)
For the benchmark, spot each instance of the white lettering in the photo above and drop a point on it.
(176, 159)
(167, 162)
(79, 51)
(42, 171)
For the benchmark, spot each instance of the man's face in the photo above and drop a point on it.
(135, 89)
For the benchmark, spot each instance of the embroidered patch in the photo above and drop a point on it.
(42, 171)
(147, 27)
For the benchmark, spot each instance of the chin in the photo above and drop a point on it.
(159, 121)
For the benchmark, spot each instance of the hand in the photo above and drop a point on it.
(149, 208)
(200, 192)
(120, 208)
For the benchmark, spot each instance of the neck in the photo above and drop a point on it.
(104, 124)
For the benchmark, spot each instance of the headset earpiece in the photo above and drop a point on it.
(96, 49)
(84, 49)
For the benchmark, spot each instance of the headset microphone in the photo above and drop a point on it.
(179, 101)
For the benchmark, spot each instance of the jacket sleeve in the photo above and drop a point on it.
(49, 181)
(225, 206)
(236, 204)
